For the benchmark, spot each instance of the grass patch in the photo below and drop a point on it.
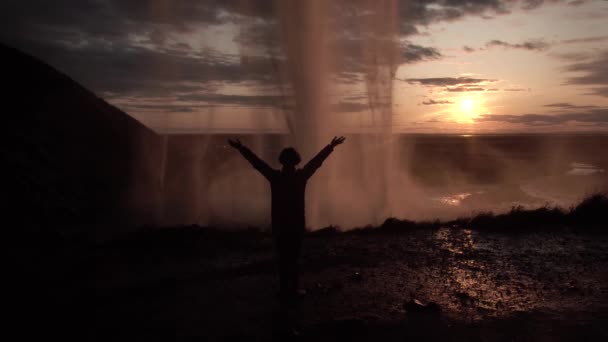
(590, 215)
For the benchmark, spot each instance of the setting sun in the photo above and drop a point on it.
(467, 105)
(468, 110)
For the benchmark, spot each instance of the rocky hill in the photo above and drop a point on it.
(73, 160)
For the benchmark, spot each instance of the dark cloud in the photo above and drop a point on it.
(408, 29)
(463, 89)
(594, 39)
(431, 102)
(138, 71)
(577, 2)
(448, 81)
(601, 91)
(559, 105)
(593, 71)
(355, 98)
(183, 110)
(532, 45)
(426, 12)
(531, 4)
(127, 48)
(422, 12)
(352, 53)
(236, 100)
(110, 19)
(567, 106)
(93, 42)
(536, 44)
(593, 116)
(349, 107)
(415, 53)
(163, 107)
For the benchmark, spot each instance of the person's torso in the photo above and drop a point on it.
(288, 198)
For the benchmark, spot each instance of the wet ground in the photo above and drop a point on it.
(490, 287)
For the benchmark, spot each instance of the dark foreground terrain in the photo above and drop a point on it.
(489, 287)
(528, 275)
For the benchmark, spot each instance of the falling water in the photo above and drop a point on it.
(355, 186)
(313, 47)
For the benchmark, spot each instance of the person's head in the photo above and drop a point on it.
(289, 157)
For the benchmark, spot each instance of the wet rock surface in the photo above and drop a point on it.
(442, 284)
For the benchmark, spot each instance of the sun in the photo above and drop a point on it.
(467, 105)
(468, 110)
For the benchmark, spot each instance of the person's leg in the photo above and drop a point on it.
(282, 262)
(295, 243)
(288, 245)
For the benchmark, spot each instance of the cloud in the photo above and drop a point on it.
(124, 49)
(567, 106)
(592, 71)
(236, 100)
(602, 91)
(593, 116)
(531, 4)
(349, 107)
(431, 102)
(593, 39)
(448, 81)
(135, 48)
(577, 2)
(516, 89)
(463, 89)
(128, 48)
(137, 71)
(559, 105)
(452, 84)
(415, 53)
(353, 59)
(531, 45)
(536, 44)
(356, 98)
(424, 13)
(174, 108)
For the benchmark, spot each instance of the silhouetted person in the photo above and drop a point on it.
(288, 187)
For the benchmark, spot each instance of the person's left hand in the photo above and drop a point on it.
(235, 143)
(337, 141)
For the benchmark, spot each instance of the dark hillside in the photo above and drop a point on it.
(72, 158)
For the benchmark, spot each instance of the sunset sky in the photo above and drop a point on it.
(477, 66)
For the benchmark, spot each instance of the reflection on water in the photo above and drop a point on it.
(456, 242)
(453, 200)
(481, 275)
(582, 169)
(474, 287)
(563, 185)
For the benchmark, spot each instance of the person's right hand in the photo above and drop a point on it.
(337, 141)
(235, 143)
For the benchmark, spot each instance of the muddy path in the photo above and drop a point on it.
(542, 286)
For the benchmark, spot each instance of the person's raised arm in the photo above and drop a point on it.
(316, 162)
(254, 160)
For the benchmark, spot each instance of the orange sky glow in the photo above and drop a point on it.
(459, 67)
